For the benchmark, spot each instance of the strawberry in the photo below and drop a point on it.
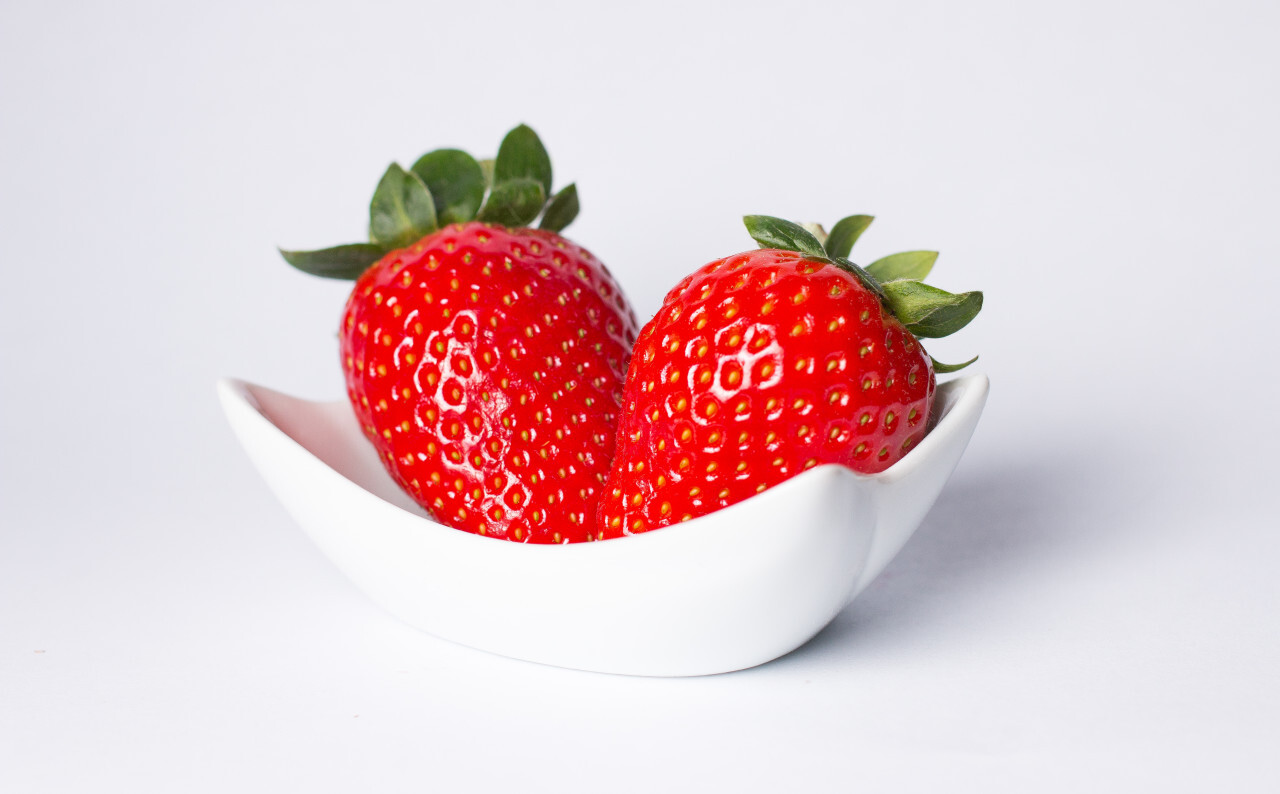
(764, 364)
(484, 359)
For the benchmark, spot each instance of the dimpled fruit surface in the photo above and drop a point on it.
(486, 366)
(757, 367)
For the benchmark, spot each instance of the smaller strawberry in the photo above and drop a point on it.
(764, 364)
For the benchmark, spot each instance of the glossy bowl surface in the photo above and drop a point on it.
(724, 592)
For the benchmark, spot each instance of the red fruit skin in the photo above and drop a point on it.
(486, 366)
(757, 367)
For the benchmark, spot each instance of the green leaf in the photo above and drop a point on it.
(819, 233)
(513, 203)
(943, 369)
(845, 233)
(929, 312)
(455, 181)
(402, 209)
(342, 261)
(772, 232)
(486, 168)
(522, 156)
(863, 276)
(908, 264)
(562, 209)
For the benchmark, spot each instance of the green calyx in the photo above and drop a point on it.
(450, 186)
(897, 280)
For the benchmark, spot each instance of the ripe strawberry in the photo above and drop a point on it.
(484, 360)
(764, 364)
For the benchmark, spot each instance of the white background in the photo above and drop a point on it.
(1092, 604)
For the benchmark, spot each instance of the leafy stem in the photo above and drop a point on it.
(447, 186)
(897, 280)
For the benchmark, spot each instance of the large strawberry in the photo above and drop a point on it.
(765, 364)
(484, 359)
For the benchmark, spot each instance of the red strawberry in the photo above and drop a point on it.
(484, 360)
(761, 365)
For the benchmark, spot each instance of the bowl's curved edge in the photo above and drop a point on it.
(397, 548)
(963, 400)
(719, 594)
(907, 491)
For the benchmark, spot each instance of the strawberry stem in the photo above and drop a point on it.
(450, 186)
(897, 280)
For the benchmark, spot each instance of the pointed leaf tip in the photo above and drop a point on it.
(402, 210)
(845, 233)
(341, 262)
(561, 210)
(771, 232)
(908, 264)
(929, 312)
(944, 369)
(522, 156)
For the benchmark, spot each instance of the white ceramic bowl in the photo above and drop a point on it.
(727, 591)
